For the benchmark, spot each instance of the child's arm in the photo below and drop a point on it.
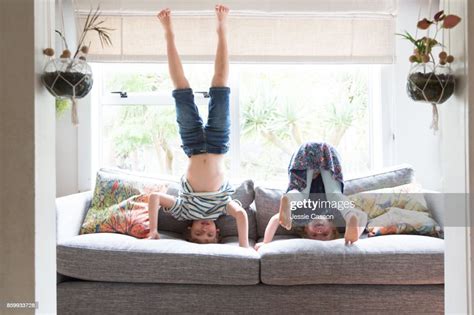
(270, 230)
(240, 215)
(156, 201)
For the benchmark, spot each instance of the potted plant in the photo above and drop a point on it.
(69, 76)
(430, 79)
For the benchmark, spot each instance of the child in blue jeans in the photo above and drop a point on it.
(205, 194)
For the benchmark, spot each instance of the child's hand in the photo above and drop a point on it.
(258, 245)
(153, 235)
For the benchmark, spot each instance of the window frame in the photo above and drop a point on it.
(378, 118)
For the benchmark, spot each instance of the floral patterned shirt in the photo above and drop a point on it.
(313, 155)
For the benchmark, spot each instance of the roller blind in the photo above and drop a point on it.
(322, 34)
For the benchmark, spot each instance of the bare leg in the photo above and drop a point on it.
(174, 62)
(221, 64)
(285, 212)
(353, 230)
(291, 196)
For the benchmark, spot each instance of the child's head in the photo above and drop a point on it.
(321, 230)
(202, 232)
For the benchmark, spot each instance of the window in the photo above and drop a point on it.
(274, 108)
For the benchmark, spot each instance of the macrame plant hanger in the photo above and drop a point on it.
(66, 77)
(434, 107)
(433, 76)
(435, 114)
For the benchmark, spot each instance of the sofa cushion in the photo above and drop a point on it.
(402, 221)
(244, 192)
(113, 186)
(385, 178)
(267, 202)
(127, 217)
(391, 259)
(131, 184)
(379, 201)
(122, 258)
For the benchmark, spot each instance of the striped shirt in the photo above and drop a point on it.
(192, 205)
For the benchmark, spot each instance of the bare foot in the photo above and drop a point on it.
(221, 14)
(352, 230)
(285, 212)
(165, 18)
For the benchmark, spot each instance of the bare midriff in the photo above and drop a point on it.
(206, 172)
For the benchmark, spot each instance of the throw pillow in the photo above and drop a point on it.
(112, 188)
(378, 202)
(120, 204)
(402, 221)
(127, 217)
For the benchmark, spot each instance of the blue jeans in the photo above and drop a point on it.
(214, 136)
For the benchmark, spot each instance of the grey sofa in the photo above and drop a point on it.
(108, 273)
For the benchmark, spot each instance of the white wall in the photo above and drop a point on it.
(45, 169)
(470, 116)
(66, 155)
(66, 133)
(454, 146)
(414, 142)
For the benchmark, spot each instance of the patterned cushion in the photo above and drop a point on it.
(120, 202)
(379, 201)
(397, 210)
(402, 221)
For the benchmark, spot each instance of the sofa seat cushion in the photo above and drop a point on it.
(391, 259)
(122, 258)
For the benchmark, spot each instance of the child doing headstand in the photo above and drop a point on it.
(315, 159)
(205, 194)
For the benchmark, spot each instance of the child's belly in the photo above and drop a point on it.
(206, 172)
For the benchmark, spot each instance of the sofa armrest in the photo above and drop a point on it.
(70, 213)
(435, 202)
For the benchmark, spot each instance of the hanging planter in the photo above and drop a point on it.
(430, 84)
(68, 79)
(431, 80)
(71, 78)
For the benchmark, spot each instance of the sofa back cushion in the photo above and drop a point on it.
(244, 192)
(386, 178)
(267, 200)
(115, 187)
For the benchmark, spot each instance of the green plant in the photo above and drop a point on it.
(141, 126)
(423, 51)
(62, 105)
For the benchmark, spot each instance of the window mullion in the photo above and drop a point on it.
(235, 122)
